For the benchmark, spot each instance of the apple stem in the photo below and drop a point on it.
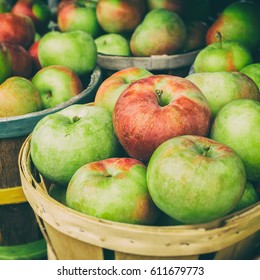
(75, 119)
(205, 150)
(219, 36)
(159, 93)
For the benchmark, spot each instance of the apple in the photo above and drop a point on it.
(5, 63)
(222, 87)
(77, 135)
(253, 72)
(79, 15)
(113, 44)
(113, 189)
(17, 29)
(222, 56)
(21, 60)
(56, 84)
(112, 87)
(177, 6)
(154, 109)
(33, 51)
(37, 10)
(5, 6)
(195, 179)
(119, 16)
(196, 33)
(238, 22)
(237, 125)
(161, 32)
(74, 49)
(18, 96)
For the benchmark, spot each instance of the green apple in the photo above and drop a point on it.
(222, 56)
(195, 179)
(74, 49)
(113, 189)
(113, 44)
(237, 125)
(5, 63)
(161, 32)
(64, 141)
(56, 84)
(238, 22)
(221, 87)
(5, 6)
(18, 96)
(112, 87)
(253, 72)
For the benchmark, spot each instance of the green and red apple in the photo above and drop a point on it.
(237, 125)
(112, 87)
(161, 32)
(56, 84)
(113, 189)
(18, 96)
(195, 179)
(5, 63)
(222, 87)
(153, 109)
(76, 135)
(33, 51)
(253, 72)
(176, 6)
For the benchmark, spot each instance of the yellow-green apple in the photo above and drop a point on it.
(195, 179)
(79, 15)
(154, 109)
(5, 63)
(21, 60)
(161, 32)
(74, 49)
(119, 16)
(112, 87)
(33, 51)
(113, 44)
(37, 10)
(5, 6)
(113, 189)
(56, 84)
(222, 87)
(222, 56)
(196, 34)
(17, 29)
(177, 6)
(18, 96)
(253, 72)
(77, 135)
(238, 22)
(237, 125)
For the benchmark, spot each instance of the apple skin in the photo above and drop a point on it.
(237, 125)
(195, 179)
(177, 6)
(18, 97)
(17, 29)
(154, 109)
(113, 44)
(5, 63)
(56, 84)
(222, 87)
(238, 22)
(161, 32)
(112, 87)
(253, 72)
(222, 56)
(113, 189)
(5, 6)
(119, 16)
(33, 51)
(77, 135)
(74, 49)
(79, 15)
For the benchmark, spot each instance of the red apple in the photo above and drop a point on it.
(120, 16)
(17, 29)
(33, 51)
(154, 109)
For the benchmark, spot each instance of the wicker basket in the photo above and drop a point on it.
(73, 235)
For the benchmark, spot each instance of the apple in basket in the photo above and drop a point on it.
(111, 88)
(237, 125)
(253, 72)
(17, 29)
(18, 96)
(113, 189)
(221, 87)
(56, 84)
(195, 179)
(64, 141)
(154, 109)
